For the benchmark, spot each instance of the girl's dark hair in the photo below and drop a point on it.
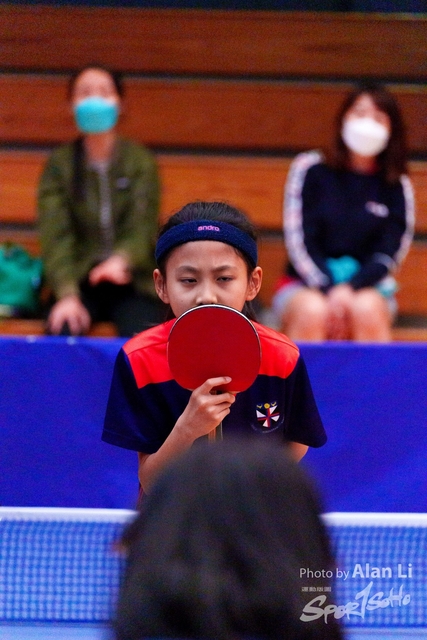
(221, 211)
(216, 551)
(78, 186)
(392, 161)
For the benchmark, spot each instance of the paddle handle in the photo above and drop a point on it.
(215, 434)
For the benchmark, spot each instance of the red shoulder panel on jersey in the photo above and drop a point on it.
(279, 354)
(147, 354)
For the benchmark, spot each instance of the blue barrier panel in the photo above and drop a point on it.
(53, 393)
(373, 401)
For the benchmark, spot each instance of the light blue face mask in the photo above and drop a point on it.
(96, 115)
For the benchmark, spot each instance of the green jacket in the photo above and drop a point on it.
(70, 231)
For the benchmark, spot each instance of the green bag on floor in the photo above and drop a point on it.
(20, 281)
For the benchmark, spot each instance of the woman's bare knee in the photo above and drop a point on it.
(371, 317)
(305, 316)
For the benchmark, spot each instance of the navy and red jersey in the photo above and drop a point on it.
(145, 401)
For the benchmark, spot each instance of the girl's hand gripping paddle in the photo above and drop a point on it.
(211, 341)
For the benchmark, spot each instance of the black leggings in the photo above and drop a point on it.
(129, 310)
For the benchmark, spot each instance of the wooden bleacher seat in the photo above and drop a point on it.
(223, 125)
(252, 183)
(30, 327)
(207, 114)
(271, 44)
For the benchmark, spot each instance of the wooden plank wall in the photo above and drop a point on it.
(224, 98)
(218, 80)
(209, 42)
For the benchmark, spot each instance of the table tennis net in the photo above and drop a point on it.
(380, 577)
(64, 565)
(60, 564)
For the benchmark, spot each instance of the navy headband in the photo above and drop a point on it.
(206, 230)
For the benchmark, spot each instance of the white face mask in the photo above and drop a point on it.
(365, 136)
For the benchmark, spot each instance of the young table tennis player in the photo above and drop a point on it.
(207, 254)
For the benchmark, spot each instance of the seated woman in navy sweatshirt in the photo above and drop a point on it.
(348, 224)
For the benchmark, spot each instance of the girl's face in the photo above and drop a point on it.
(94, 82)
(206, 272)
(365, 107)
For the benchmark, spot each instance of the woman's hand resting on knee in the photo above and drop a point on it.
(69, 310)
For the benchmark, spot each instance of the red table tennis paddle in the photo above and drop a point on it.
(211, 341)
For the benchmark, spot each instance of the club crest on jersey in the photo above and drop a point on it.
(267, 415)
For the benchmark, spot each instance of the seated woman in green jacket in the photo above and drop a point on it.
(98, 208)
